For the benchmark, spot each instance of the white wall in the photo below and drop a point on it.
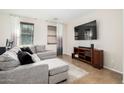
(109, 24)
(5, 29)
(40, 30)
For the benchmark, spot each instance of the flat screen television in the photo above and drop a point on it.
(86, 31)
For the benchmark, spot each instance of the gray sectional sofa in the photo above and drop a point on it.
(42, 53)
(49, 70)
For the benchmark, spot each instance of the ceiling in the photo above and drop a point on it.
(61, 15)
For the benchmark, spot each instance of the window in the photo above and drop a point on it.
(52, 38)
(27, 32)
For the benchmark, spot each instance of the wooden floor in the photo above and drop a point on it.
(95, 76)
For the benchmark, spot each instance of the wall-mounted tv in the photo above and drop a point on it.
(86, 31)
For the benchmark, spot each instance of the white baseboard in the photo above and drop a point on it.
(113, 70)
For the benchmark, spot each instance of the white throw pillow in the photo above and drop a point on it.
(8, 65)
(15, 49)
(8, 61)
(33, 49)
(12, 55)
(4, 58)
(35, 58)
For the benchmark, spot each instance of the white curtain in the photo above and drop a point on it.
(59, 38)
(15, 34)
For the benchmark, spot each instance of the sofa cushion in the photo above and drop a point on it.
(56, 66)
(33, 49)
(4, 58)
(24, 58)
(46, 54)
(15, 49)
(48, 57)
(55, 79)
(8, 65)
(27, 49)
(35, 58)
(8, 62)
(40, 48)
(12, 54)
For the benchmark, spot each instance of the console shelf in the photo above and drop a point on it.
(89, 55)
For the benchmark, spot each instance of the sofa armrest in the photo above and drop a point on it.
(30, 74)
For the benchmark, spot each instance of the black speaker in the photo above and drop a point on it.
(92, 46)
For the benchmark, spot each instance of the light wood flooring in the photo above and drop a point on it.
(95, 76)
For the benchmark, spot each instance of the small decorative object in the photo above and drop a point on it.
(9, 44)
(76, 55)
(92, 46)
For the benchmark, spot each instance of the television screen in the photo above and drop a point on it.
(86, 31)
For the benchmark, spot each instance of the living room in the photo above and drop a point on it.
(109, 28)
